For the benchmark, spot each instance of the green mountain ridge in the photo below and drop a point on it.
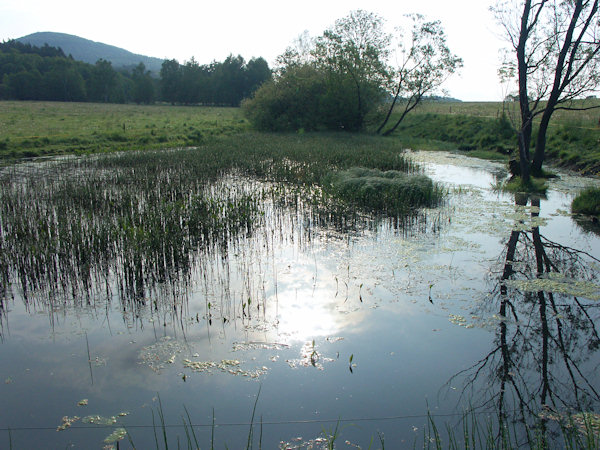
(90, 51)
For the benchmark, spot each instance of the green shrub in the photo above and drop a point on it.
(587, 202)
(307, 98)
(288, 104)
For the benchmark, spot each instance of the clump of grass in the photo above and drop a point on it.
(517, 185)
(587, 202)
(388, 191)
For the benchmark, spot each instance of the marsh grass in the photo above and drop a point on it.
(516, 186)
(391, 191)
(472, 430)
(76, 226)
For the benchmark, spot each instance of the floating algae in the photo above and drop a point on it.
(476, 321)
(67, 422)
(163, 352)
(245, 346)
(586, 422)
(83, 402)
(99, 420)
(117, 435)
(459, 320)
(558, 284)
(309, 356)
(320, 443)
(231, 366)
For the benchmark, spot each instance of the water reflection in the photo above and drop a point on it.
(163, 243)
(544, 302)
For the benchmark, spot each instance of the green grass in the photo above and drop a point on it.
(485, 129)
(587, 202)
(464, 132)
(391, 191)
(32, 129)
(516, 185)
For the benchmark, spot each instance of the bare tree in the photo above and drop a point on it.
(556, 46)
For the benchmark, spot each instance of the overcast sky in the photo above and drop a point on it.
(210, 30)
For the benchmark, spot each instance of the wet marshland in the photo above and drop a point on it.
(135, 294)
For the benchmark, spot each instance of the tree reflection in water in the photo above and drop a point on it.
(543, 365)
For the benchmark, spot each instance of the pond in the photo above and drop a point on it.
(279, 334)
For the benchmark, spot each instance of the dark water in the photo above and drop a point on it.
(368, 329)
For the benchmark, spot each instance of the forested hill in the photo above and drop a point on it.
(89, 51)
(29, 72)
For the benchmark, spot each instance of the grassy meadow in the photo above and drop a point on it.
(483, 129)
(31, 129)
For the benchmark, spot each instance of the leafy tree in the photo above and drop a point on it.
(350, 60)
(353, 54)
(425, 64)
(24, 85)
(102, 81)
(189, 90)
(293, 101)
(62, 82)
(556, 46)
(170, 79)
(229, 81)
(257, 71)
(143, 86)
(331, 82)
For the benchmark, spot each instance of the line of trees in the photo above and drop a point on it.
(218, 83)
(45, 73)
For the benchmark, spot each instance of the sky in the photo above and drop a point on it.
(211, 30)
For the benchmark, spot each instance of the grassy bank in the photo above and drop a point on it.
(486, 129)
(483, 129)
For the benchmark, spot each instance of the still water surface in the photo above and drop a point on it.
(372, 328)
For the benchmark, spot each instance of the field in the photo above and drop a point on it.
(484, 129)
(493, 110)
(32, 129)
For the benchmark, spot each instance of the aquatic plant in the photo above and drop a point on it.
(136, 221)
(390, 191)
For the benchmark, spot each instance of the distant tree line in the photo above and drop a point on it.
(45, 73)
(219, 83)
